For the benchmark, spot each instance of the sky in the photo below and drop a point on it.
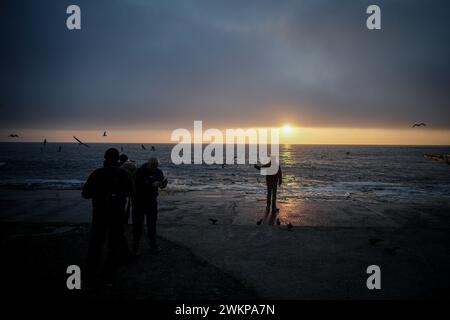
(142, 68)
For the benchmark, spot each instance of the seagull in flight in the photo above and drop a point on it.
(81, 142)
(419, 125)
(13, 135)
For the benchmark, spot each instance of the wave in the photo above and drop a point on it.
(52, 184)
(306, 189)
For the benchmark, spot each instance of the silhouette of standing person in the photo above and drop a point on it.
(130, 167)
(148, 180)
(108, 187)
(272, 181)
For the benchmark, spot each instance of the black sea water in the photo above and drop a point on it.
(323, 172)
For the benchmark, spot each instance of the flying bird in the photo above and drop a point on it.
(290, 226)
(81, 142)
(213, 221)
(419, 125)
(104, 134)
(143, 147)
(13, 135)
(259, 222)
(391, 250)
(374, 241)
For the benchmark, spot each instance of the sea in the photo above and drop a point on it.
(374, 174)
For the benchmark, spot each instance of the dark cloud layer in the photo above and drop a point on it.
(160, 64)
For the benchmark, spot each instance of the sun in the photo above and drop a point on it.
(287, 129)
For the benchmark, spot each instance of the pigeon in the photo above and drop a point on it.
(153, 148)
(278, 221)
(290, 226)
(81, 142)
(419, 125)
(143, 147)
(259, 222)
(213, 221)
(104, 134)
(374, 241)
(59, 149)
(13, 135)
(391, 250)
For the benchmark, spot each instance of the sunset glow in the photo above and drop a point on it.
(288, 135)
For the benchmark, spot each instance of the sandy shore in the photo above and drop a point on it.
(324, 256)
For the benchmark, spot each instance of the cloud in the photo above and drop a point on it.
(162, 64)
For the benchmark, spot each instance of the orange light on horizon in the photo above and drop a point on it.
(288, 135)
(287, 129)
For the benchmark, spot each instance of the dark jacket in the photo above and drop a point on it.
(108, 187)
(273, 179)
(144, 181)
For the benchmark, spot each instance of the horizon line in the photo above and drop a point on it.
(206, 143)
